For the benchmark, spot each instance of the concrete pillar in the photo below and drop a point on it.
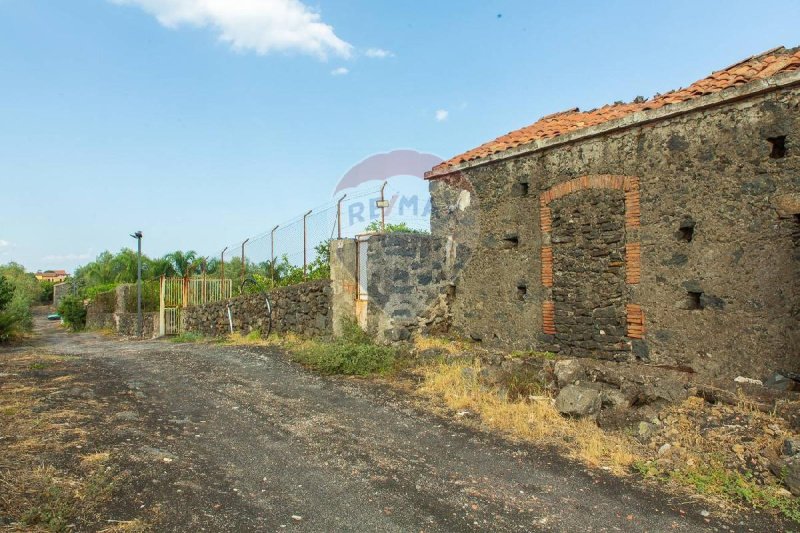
(343, 282)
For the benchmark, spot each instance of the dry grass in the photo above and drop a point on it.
(534, 420)
(449, 346)
(39, 491)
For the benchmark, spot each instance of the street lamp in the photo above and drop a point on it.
(139, 318)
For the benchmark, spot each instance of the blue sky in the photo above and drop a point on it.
(204, 122)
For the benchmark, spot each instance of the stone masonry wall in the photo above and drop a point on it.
(126, 324)
(59, 291)
(711, 261)
(410, 282)
(107, 311)
(588, 291)
(100, 311)
(304, 309)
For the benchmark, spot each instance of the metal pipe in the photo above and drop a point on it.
(383, 209)
(305, 246)
(339, 214)
(139, 316)
(272, 255)
(243, 269)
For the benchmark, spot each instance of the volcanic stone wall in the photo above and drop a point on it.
(304, 309)
(409, 284)
(588, 290)
(711, 266)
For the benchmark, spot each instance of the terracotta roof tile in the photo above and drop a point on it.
(754, 68)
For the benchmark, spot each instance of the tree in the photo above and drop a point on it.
(183, 263)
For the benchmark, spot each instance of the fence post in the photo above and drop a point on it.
(243, 268)
(222, 272)
(305, 246)
(272, 255)
(203, 290)
(162, 327)
(339, 214)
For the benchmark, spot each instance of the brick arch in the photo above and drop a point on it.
(629, 185)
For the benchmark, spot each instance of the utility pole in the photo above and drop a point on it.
(139, 317)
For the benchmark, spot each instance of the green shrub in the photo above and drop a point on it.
(73, 312)
(352, 354)
(6, 292)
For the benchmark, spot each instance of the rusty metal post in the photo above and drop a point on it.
(272, 255)
(305, 245)
(203, 267)
(339, 214)
(383, 209)
(222, 273)
(243, 268)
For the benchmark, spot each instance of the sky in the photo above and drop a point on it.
(202, 122)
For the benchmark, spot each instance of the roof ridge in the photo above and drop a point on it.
(570, 120)
(754, 56)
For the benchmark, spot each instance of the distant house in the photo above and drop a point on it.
(54, 276)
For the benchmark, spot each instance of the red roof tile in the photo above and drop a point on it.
(754, 68)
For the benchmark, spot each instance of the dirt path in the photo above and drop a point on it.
(223, 438)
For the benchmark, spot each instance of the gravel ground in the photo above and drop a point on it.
(227, 438)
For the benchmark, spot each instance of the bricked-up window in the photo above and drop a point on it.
(778, 146)
(686, 230)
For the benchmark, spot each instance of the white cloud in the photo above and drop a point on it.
(441, 115)
(378, 53)
(341, 71)
(261, 26)
(3, 243)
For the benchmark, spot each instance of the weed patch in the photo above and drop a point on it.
(187, 337)
(352, 354)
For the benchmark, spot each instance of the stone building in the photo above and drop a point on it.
(664, 230)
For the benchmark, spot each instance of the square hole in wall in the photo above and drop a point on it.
(694, 301)
(522, 291)
(686, 230)
(510, 240)
(521, 188)
(778, 146)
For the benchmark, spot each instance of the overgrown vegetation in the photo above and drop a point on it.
(353, 353)
(19, 290)
(72, 312)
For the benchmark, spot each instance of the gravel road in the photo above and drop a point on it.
(226, 438)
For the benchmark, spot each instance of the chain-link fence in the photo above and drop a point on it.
(297, 250)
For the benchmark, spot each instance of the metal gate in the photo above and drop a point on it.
(180, 293)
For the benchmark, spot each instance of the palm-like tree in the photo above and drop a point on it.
(183, 263)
